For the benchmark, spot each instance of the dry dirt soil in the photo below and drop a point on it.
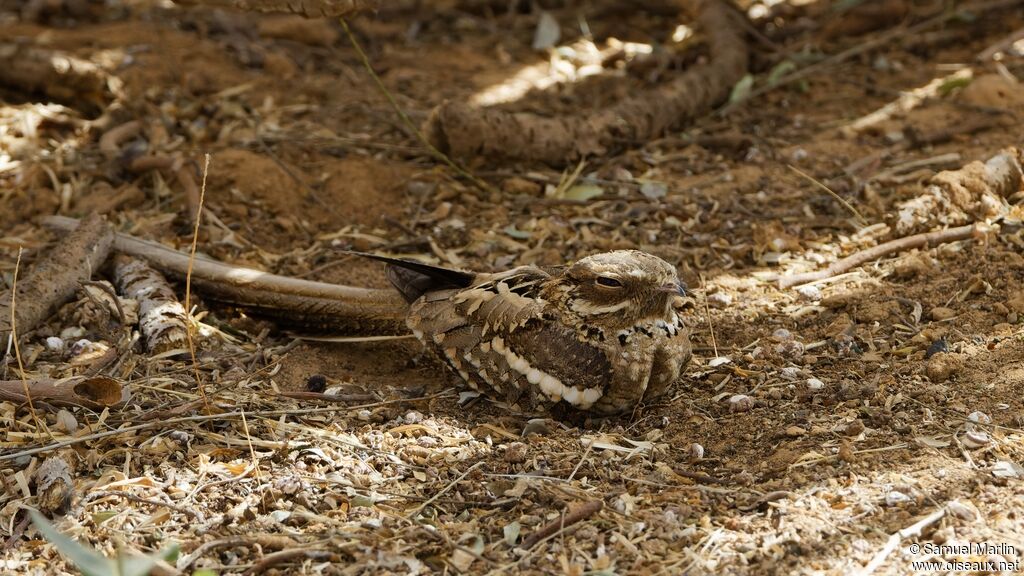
(811, 426)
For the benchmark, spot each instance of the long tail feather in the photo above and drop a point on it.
(413, 279)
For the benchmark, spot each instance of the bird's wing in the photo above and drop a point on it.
(500, 335)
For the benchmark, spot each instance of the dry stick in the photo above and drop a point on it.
(869, 45)
(897, 537)
(876, 252)
(17, 349)
(437, 154)
(94, 392)
(707, 313)
(840, 199)
(577, 514)
(451, 485)
(188, 286)
(276, 558)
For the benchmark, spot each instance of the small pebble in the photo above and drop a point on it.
(782, 335)
(854, 428)
(815, 384)
(413, 417)
(515, 453)
(790, 373)
(719, 361)
(961, 510)
(895, 498)
(942, 313)
(941, 366)
(719, 300)
(55, 344)
(846, 453)
(740, 403)
(696, 452)
(809, 293)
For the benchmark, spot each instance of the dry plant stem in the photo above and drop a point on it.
(434, 150)
(574, 515)
(830, 192)
(307, 8)
(188, 288)
(56, 276)
(464, 131)
(93, 392)
(271, 560)
(450, 485)
(869, 45)
(265, 541)
(894, 540)
(162, 319)
(310, 304)
(876, 252)
(14, 341)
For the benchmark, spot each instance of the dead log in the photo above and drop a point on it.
(463, 131)
(293, 301)
(307, 8)
(58, 75)
(975, 192)
(56, 276)
(54, 483)
(162, 319)
(94, 392)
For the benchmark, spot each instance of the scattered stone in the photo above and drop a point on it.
(846, 452)
(941, 366)
(815, 384)
(854, 428)
(895, 498)
(719, 300)
(809, 293)
(740, 403)
(718, 361)
(782, 335)
(517, 186)
(790, 373)
(942, 313)
(696, 452)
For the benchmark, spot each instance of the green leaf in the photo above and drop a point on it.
(204, 572)
(89, 561)
(742, 89)
(780, 70)
(102, 516)
(954, 83)
(584, 192)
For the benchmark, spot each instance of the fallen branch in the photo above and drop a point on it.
(271, 560)
(162, 319)
(57, 275)
(307, 8)
(58, 75)
(296, 302)
(463, 131)
(93, 392)
(876, 252)
(894, 540)
(574, 515)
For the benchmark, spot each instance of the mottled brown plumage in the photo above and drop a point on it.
(600, 336)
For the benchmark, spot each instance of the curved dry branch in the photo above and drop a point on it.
(307, 8)
(293, 301)
(463, 131)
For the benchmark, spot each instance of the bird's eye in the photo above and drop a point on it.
(608, 282)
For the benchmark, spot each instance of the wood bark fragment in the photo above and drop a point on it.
(88, 391)
(56, 276)
(575, 514)
(58, 75)
(162, 319)
(54, 483)
(290, 300)
(307, 8)
(973, 193)
(463, 131)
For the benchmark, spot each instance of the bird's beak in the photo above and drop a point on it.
(676, 288)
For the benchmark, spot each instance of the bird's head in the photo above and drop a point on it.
(621, 288)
